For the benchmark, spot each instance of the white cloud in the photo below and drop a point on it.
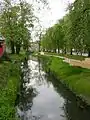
(48, 17)
(57, 11)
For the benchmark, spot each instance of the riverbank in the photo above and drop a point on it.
(73, 60)
(9, 86)
(75, 57)
(77, 79)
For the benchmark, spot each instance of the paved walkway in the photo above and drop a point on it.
(84, 63)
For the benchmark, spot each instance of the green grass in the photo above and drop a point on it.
(9, 86)
(76, 79)
(20, 57)
(76, 57)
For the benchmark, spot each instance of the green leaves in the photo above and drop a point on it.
(15, 22)
(71, 32)
(8, 89)
(53, 39)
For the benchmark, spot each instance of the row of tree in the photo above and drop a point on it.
(15, 21)
(71, 32)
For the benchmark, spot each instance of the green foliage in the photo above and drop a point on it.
(9, 92)
(53, 38)
(9, 86)
(15, 22)
(76, 78)
(75, 57)
(71, 32)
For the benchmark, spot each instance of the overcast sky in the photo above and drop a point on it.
(57, 10)
(48, 17)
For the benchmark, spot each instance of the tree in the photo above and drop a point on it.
(8, 23)
(86, 12)
(59, 35)
(16, 20)
(53, 39)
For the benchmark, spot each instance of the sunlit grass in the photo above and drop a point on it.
(76, 78)
(9, 85)
(76, 57)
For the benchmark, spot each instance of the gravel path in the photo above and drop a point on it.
(84, 63)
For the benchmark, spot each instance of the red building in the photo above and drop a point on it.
(2, 46)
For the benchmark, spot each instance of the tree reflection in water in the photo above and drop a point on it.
(28, 91)
(62, 105)
(71, 107)
(26, 96)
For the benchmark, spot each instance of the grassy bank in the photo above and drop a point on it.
(76, 79)
(9, 86)
(76, 57)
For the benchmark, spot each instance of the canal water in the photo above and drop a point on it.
(43, 97)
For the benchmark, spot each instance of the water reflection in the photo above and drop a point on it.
(26, 96)
(71, 106)
(45, 98)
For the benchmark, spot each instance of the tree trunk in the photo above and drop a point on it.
(76, 51)
(39, 47)
(89, 53)
(71, 51)
(58, 50)
(17, 49)
(12, 47)
(65, 51)
(81, 53)
(55, 50)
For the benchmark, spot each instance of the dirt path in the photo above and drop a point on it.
(84, 63)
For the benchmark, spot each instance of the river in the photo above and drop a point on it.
(43, 97)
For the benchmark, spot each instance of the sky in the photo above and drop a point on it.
(57, 10)
(48, 17)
